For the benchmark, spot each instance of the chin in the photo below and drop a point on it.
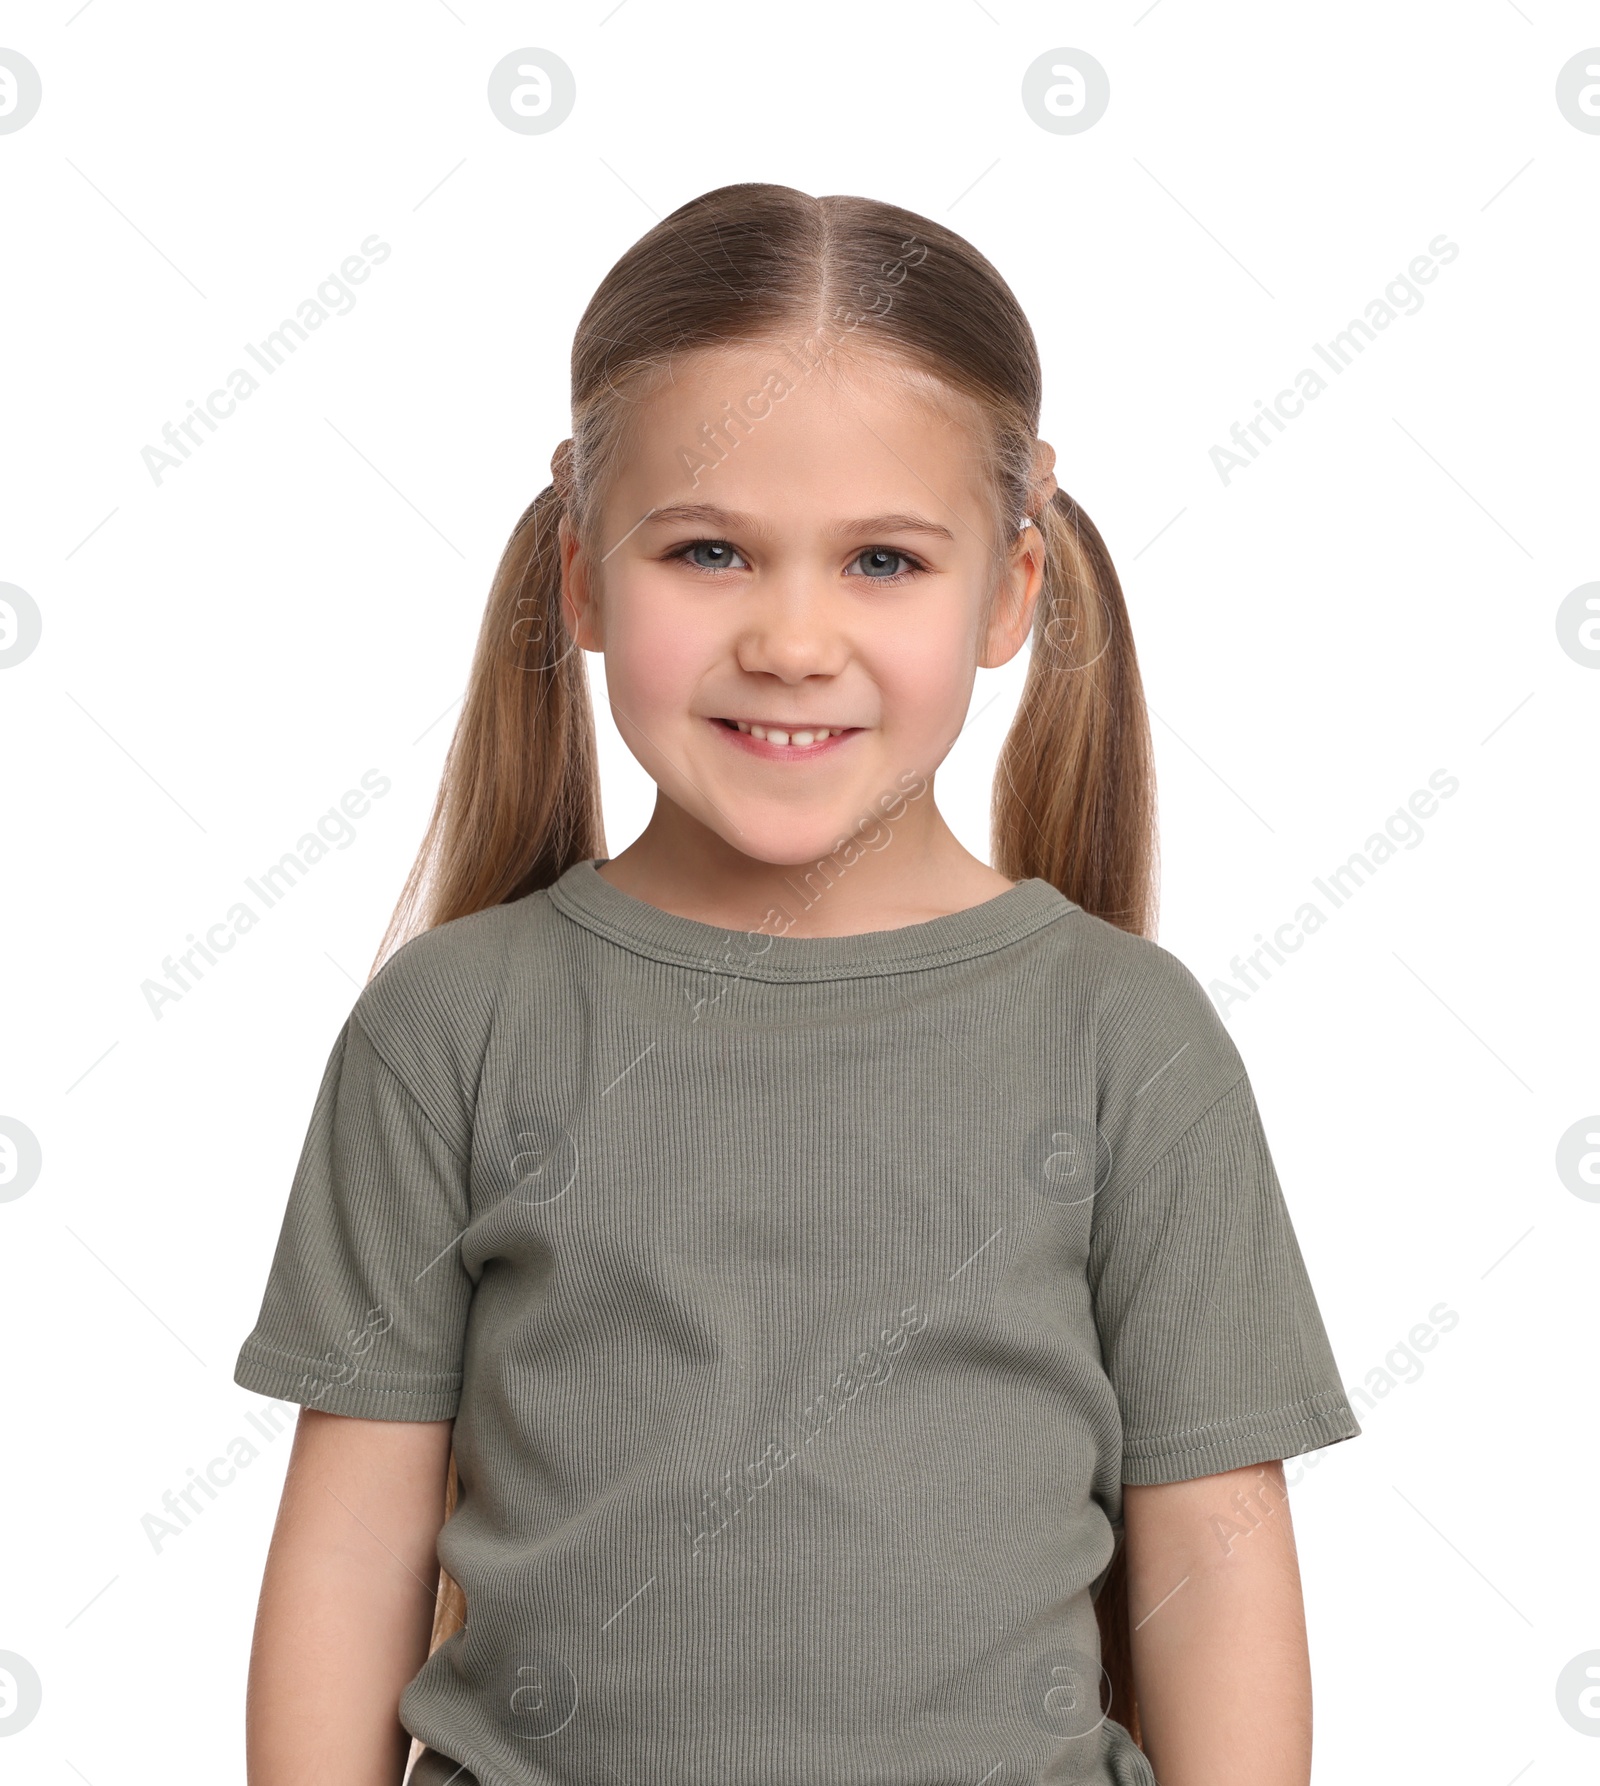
(788, 839)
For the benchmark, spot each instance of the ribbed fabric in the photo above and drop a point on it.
(802, 1305)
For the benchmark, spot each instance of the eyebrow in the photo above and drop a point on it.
(728, 519)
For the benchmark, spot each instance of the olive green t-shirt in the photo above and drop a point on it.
(802, 1305)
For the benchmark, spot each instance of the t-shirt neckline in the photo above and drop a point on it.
(586, 896)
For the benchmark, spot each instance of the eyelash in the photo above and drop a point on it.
(918, 568)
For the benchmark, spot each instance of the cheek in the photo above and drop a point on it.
(926, 669)
(657, 647)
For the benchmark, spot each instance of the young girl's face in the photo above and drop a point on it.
(825, 574)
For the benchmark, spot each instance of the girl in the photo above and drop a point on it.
(833, 1295)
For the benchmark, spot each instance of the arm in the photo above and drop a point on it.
(347, 1601)
(1218, 1630)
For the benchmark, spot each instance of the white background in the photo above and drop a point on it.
(224, 654)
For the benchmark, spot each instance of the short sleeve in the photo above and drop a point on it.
(1209, 1329)
(366, 1302)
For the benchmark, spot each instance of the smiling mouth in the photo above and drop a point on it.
(799, 737)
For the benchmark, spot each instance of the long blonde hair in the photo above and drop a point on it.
(1074, 792)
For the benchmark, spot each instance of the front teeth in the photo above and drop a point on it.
(776, 737)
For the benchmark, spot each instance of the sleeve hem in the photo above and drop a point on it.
(1261, 1437)
(365, 1396)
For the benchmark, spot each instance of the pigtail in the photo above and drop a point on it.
(1116, 1644)
(1074, 804)
(450, 1603)
(519, 798)
(1074, 794)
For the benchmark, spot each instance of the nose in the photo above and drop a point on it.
(791, 629)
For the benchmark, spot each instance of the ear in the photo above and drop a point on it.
(579, 607)
(1016, 598)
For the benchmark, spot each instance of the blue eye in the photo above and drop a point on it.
(874, 556)
(719, 550)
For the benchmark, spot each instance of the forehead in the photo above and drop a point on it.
(785, 424)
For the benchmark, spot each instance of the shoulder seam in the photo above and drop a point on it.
(494, 1010)
(1101, 1209)
(404, 1084)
